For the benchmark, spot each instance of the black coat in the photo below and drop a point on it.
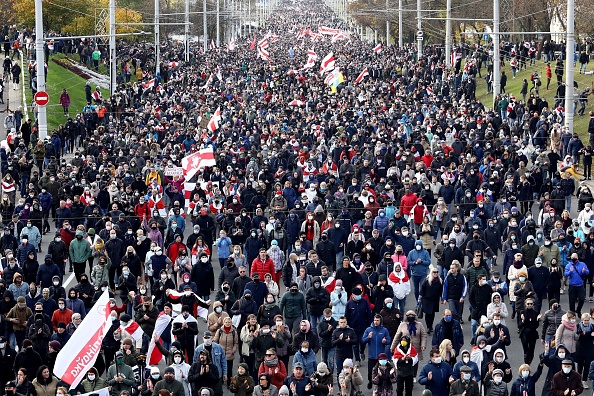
(431, 296)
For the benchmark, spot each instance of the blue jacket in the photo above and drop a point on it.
(376, 346)
(309, 362)
(358, 314)
(526, 387)
(457, 335)
(46, 200)
(217, 356)
(407, 243)
(380, 221)
(574, 273)
(476, 374)
(421, 268)
(438, 384)
(223, 245)
(293, 227)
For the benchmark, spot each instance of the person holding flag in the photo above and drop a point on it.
(185, 330)
(120, 376)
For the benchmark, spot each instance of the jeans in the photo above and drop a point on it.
(417, 285)
(568, 203)
(16, 339)
(359, 347)
(401, 304)
(576, 294)
(583, 67)
(313, 321)
(328, 357)
(24, 182)
(474, 325)
(457, 308)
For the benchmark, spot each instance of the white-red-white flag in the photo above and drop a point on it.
(328, 31)
(147, 85)
(215, 119)
(296, 102)
(327, 63)
(212, 44)
(378, 48)
(363, 74)
(231, 46)
(263, 43)
(80, 353)
(198, 160)
(262, 53)
(429, 90)
(134, 329)
(161, 324)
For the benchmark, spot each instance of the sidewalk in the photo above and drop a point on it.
(12, 99)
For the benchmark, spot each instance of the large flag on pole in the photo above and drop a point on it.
(80, 353)
(213, 124)
(198, 160)
(161, 324)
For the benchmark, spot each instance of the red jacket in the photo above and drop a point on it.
(262, 267)
(407, 202)
(61, 316)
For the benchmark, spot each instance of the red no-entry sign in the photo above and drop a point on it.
(41, 98)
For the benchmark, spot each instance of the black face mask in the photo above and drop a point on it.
(248, 297)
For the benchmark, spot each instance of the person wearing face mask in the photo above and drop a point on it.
(317, 298)
(566, 333)
(465, 385)
(218, 358)
(121, 377)
(435, 375)
(551, 321)
(358, 314)
(181, 370)
(75, 304)
(576, 271)
(465, 361)
(216, 317)
(497, 362)
(92, 382)
(160, 287)
(539, 276)
(448, 328)
(39, 333)
(80, 251)
(100, 272)
(567, 381)
(306, 357)
(549, 251)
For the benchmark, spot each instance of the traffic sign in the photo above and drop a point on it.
(486, 37)
(420, 34)
(41, 98)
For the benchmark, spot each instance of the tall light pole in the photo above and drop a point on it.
(187, 32)
(40, 57)
(419, 29)
(569, 55)
(218, 23)
(112, 47)
(400, 34)
(204, 25)
(387, 23)
(448, 34)
(157, 40)
(496, 54)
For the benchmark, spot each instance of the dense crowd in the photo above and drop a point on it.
(330, 233)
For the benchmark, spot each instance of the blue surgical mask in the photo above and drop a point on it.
(448, 318)
(357, 298)
(383, 362)
(389, 305)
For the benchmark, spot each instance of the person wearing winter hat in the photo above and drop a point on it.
(383, 375)
(29, 359)
(120, 376)
(322, 380)
(339, 299)
(181, 370)
(169, 383)
(242, 384)
(283, 391)
(93, 381)
(349, 378)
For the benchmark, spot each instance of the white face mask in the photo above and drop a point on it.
(204, 260)
(566, 370)
(304, 350)
(499, 359)
(437, 360)
(279, 323)
(465, 359)
(561, 355)
(497, 380)
(91, 377)
(177, 359)
(496, 322)
(405, 233)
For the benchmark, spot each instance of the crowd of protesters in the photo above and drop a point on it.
(331, 250)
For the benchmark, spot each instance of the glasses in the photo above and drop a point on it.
(529, 305)
(434, 272)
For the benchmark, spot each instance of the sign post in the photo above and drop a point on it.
(41, 98)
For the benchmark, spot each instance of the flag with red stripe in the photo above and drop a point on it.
(378, 48)
(215, 119)
(134, 330)
(363, 74)
(198, 160)
(327, 63)
(154, 355)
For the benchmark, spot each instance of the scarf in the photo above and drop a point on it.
(566, 323)
(412, 328)
(518, 264)
(586, 329)
(227, 329)
(271, 362)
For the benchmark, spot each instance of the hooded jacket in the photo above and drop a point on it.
(376, 342)
(317, 298)
(438, 384)
(418, 269)
(400, 284)
(308, 335)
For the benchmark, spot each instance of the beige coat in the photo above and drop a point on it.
(419, 340)
(566, 337)
(512, 275)
(228, 341)
(215, 320)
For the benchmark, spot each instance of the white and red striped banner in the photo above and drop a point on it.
(378, 48)
(155, 356)
(215, 119)
(327, 63)
(134, 330)
(80, 354)
(262, 53)
(198, 160)
(363, 74)
(328, 31)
